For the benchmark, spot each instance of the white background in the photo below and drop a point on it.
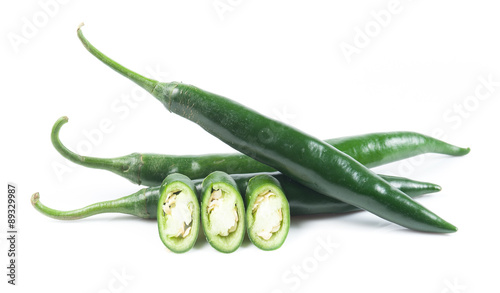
(418, 68)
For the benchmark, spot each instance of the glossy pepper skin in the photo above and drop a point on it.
(302, 200)
(371, 150)
(300, 156)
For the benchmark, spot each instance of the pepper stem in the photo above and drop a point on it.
(127, 166)
(144, 82)
(133, 204)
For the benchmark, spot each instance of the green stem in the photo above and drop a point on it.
(144, 82)
(126, 166)
(134, 204)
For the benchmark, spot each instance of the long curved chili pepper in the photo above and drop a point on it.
(302, 200)
(296, 154)
(371, 150)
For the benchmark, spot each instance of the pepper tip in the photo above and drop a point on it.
(451, 228)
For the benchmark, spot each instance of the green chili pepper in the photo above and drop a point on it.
(222, 212)
(178, 213)
(296, 154)
(370, 150)
(302, 200)
(267, 212)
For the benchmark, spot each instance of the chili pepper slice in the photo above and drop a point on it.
(178, 213)
(222, 212)
(267, 212)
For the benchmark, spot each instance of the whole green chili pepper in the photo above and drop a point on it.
(178, 213)
(302, 200)
(370, 150)
(267, 212)
(222, 212)
(296, 154)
